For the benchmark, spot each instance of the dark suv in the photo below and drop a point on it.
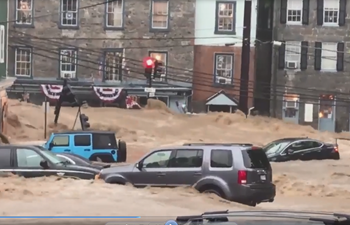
(236, 172)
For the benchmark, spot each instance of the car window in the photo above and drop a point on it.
(104, 141)
(60, 140)
(255, 159)
(221, 158)
(82, 140)
(275, 147)
(158, 159)
(28, 158)
(5, 158)
(301, 145)
(187, 158)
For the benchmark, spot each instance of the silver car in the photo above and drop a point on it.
(233, 171)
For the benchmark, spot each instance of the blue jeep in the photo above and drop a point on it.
(92, 145)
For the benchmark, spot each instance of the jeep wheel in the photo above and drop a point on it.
(121, 152)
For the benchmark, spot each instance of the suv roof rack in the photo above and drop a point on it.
(223, 144)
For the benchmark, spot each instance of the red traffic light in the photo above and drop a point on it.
(148, 62)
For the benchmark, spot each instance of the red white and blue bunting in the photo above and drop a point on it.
(107, 94)
(52, 91)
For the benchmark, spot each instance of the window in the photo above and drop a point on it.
(2, 43)
(221, 159)
(5, 158)
(158, 159)
(163, 57)
(223, 69)
(82, 140)
(187, 158)
(28, 158)
(326, 107)
(24, 12)
(256, 159)
(69, 13)
(294, 11)
(114, 14)
(291, 105)
(225, 18)
(292, 55)
(68, 63)
(113, 65)
(60, 141)
(23, 62)
(160, 15)
(331, 12)
(329, 56)
(104, 141)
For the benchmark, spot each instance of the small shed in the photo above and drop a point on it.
(221, 102)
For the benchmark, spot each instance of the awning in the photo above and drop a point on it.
(221, 98)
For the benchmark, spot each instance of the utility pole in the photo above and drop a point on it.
(245, 60)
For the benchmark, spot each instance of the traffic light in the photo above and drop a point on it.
(148, 64)
(84, 121)
(158, 68)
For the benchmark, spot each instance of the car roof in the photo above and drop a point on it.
(85, 132)
(202, 147)
(292, 139)
(19, 146)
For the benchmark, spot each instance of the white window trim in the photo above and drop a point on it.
(120, 69)
(328, 24)
(31, 14)
(167, 16)
(234, 5)
(114, 13)
(293, 48)
(31, 62)
(216, 55)
(73, 73)
(71, 11)
(289, 7)
(2, 43)
(331, 54)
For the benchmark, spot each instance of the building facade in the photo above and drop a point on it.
(105, 42)
(3, 37)
(311, 74)
(217, 53)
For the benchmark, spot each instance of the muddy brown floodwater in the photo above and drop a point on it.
(313, 185)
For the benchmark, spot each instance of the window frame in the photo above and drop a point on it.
(290, 53)
(16, 10)
(198, 152)
(324, 57)
(60, 145)
(108, 27)
(221, 168)
(104, 71)
(60, 63)
(27, 149)
(217, 31)
(328, 24)
(161, 52)
(16, 48)
(289, 7)
(67, 26)
(232, 55)
(159, 29)
(80, 135)
(10, 159)
(172, 152)
(2, 43)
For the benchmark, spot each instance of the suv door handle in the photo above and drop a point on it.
(86, 150)
(67, 150)
(160, 174)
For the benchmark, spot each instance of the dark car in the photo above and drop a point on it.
(233, 171)
(288, 149)
(81, 161)
(31, 161)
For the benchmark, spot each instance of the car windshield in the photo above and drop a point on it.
(275, 147)
(51, 156)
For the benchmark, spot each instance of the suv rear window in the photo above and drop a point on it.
(221, 159)
(104, 141)
(255, 158)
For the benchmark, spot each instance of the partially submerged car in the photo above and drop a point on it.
(300, 148)
(233, 171)
(30, 161)
(91, 145)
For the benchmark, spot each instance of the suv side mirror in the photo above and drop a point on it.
(50, 146)
(139, 165)
(44, 164)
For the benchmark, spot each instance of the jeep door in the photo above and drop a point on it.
(82, 145)
(185, 168)
(153, 169)
(61, 143)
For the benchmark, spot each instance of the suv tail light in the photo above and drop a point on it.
(242, 177)
(336, 148)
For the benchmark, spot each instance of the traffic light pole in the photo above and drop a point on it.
(76, 117)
